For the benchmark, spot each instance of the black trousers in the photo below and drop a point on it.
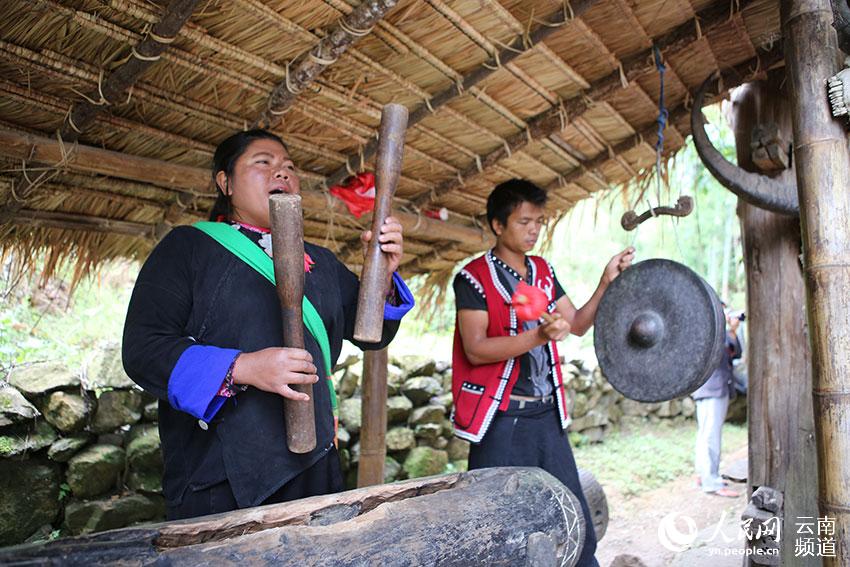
(532, 437)
(324, 477)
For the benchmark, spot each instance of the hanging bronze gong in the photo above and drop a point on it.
(658, 331)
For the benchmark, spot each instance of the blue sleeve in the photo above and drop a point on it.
(396, 312)
(196, 379)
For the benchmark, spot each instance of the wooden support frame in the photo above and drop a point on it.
(731, 78)
(142, 55)
(517, 47)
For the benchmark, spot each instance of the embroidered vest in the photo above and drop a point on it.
(478, 391)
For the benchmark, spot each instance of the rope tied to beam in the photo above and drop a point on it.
(351, 30)
(507, 147)
(663, 114)
(141, 57)
(498, 61)
(288, 83)
(103, 101)
(624, 82)
(161, 39)
(69, 118)
(562, 114)
(319, 60)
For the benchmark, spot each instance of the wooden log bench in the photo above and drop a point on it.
(499, 516)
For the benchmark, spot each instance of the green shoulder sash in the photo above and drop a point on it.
(243, 248)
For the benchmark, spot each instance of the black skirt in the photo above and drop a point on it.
(324, 477)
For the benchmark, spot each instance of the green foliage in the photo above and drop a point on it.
(64, 491)
(56, 329)
(650, 456)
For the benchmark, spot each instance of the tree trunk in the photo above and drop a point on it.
(781, 425)
(500, 516)
(823, 178)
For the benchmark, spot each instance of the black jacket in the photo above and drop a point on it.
(193, 291)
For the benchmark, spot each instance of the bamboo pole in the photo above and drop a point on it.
(373, 431)
(88, 159)
(72, 221)
(823, 176)
(558, 117)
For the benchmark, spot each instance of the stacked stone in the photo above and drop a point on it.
(79, 450)
(595, 406)
(420, 440)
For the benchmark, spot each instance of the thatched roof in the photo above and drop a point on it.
(499, 88)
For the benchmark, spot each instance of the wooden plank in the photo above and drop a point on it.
(779, 404)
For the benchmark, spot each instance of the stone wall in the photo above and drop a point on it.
(420, 441)
(79, 449)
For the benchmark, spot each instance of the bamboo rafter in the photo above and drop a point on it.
(462, 84)
(749, 70)
(180, 177)
(553, 120)
(190, 61)
(65, 68)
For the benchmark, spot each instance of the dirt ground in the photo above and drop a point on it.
(713, 537)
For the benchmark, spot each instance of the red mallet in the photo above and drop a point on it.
(530, 303)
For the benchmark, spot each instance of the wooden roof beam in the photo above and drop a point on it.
(142, 56)
(306, 67)
(65, 68)
(73, 221)
(88, 159)
(555, 119)
(468, 82)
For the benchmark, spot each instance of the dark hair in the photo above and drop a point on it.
(507, 196)
(224, 159)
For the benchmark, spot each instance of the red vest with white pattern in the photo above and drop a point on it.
(479, 390)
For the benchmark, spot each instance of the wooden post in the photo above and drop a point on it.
(373, 430)
(288, 246)
(779, 408)
(823, 178)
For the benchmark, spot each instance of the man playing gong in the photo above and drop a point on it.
(509, 397)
